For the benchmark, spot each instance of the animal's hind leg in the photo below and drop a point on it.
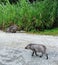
(46, 56)
(41, 55)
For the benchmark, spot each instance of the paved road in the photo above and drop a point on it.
(12, 50)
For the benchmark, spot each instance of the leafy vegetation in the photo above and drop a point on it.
(38, 16)
(53, 32)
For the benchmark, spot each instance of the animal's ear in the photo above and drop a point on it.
(30, 44)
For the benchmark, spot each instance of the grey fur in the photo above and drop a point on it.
(12, 29)
(37, 48)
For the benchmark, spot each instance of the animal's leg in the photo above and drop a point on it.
(33, 53)
(36, 53)
(41, 55)
(46, 56)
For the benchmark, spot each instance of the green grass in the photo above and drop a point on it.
(53, 32)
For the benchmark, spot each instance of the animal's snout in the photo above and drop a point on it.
(25, 47)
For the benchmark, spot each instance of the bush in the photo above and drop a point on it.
(36, 16)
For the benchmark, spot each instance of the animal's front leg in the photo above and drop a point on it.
(33, 53)
(36, 53)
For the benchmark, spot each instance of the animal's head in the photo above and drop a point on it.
(28, 46)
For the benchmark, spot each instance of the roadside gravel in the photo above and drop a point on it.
(12, 50)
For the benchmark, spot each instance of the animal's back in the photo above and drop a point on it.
(38, 47)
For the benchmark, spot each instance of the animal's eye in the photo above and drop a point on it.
(29, 46)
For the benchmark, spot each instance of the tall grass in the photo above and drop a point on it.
(37, 16)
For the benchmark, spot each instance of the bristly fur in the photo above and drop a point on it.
(37, 48)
